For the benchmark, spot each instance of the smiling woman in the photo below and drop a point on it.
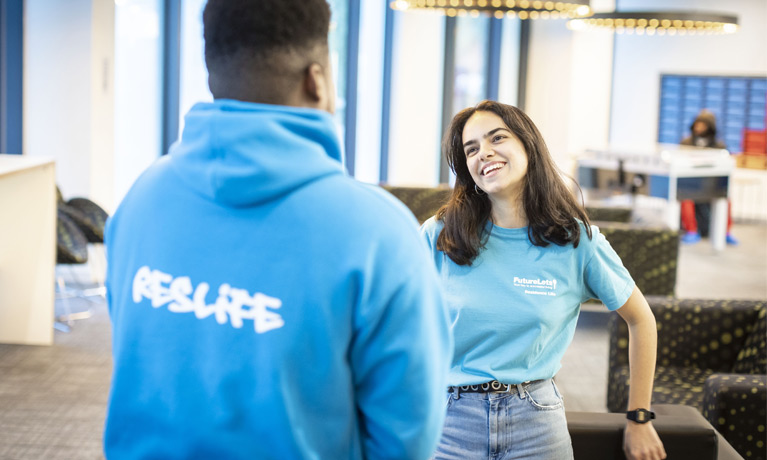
(530, 193)
(517, 257)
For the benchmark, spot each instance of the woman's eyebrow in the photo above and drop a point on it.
(488, 134)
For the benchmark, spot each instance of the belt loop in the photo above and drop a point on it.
(521, 391)
(457, 392)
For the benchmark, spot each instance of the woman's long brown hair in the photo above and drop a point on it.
(551, 209)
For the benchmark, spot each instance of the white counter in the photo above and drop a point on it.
(27, 249)
(669, 171)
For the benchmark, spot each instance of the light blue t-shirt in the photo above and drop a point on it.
(513, 311)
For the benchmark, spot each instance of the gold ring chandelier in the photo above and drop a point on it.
(658, 22)
(523, 9)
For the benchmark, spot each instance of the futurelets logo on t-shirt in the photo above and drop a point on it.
(537, 286)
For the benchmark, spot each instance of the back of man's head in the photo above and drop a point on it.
(261, 50)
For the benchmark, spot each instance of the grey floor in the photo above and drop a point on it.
(52, 399)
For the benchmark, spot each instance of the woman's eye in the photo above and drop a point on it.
(471, 151)
(498, 138)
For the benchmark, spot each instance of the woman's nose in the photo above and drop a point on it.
(485, 152)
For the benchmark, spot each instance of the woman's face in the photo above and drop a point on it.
(496, 159)
(699, 128)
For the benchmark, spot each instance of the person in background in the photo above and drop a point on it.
(517, 257)
(264, 304)
(702, 134)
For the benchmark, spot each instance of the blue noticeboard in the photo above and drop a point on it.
(737, 102)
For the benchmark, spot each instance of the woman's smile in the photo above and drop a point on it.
(492, 168)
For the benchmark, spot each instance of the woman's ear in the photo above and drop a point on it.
(318, 88)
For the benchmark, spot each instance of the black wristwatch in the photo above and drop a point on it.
(640, 415)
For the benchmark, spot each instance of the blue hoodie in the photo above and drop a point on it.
(266, 305)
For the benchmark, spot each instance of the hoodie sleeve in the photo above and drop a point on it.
(401, 353)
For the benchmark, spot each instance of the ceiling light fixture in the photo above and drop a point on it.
(659, 22)
(523, 9)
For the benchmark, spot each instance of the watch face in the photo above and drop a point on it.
(640, 415)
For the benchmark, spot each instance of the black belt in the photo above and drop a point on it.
(490, 387)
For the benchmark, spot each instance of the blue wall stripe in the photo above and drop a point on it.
(170, 73)
(386, 103)
(11, 76)
(494, 58)
(352, 64)
(524, 51)
(448, 88)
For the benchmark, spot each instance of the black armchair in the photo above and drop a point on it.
(712, 355)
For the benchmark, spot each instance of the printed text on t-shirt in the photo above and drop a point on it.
(534, 286)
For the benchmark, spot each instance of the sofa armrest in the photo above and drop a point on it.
(736, 405)
(684, 432)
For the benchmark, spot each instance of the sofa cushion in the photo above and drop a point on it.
(673, 385)
(752, 358)
(71, 244)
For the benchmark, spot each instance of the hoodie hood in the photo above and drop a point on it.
(241, 153)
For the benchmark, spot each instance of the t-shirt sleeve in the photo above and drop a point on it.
(428, 233)
(606, 279)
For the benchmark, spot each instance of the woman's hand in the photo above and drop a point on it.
(641, 442)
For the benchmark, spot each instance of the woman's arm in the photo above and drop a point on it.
(640, 441)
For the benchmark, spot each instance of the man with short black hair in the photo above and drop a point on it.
(264, 304)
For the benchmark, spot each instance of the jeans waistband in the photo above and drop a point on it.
(492, 387)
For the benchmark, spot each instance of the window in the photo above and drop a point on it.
(138, 90)
(471, 58)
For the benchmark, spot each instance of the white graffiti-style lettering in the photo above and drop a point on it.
(232, 304)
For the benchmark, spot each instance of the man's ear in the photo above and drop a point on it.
(317, 88)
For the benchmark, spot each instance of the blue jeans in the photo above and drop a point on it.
(526, 424)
